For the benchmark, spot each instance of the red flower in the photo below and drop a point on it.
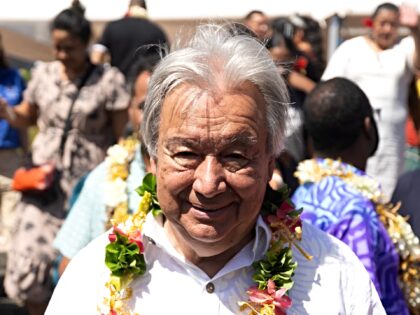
(300, 64)
(285, 208)
(367, 22)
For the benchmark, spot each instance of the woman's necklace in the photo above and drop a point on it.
(273, 274)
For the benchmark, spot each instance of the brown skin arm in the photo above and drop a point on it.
(119, 120)
(20, 116)
(409, 18)
(300, 82)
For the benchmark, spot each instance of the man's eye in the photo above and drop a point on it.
(235, 161)
(186, 158)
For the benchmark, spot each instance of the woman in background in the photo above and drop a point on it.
(383, 67)
(98, 119)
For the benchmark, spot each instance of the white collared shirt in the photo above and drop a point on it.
(334, 282)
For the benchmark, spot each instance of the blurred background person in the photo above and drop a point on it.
(129, 38)
(98, 119)
(91, 213)
(258, 22)
(407, 192)
(383, 66)
(12, 141)
(336, 194)
(412, 127)
(296, 69)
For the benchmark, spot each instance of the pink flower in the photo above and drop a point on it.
(271, 296)
(135, 237)
(112, 237)
(282, 215)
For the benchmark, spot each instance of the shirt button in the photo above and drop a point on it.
(210, 287)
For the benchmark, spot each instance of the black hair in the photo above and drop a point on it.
(141, 64)
(138, 3)
(283, 32)
(72, 20)
(250, 14)
(334, 114)
(3, 61)
(385, 6)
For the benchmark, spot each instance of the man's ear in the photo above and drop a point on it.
(370, 130)
(153, 166)
(271, 166)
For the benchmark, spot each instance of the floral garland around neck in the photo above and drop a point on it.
(118, 161)
(272, 274)
(401, 233)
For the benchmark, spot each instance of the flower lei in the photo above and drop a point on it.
(118, 160)
(273, 273)
(401, 233)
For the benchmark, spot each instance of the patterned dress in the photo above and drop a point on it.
(340, 210)
(29, 264)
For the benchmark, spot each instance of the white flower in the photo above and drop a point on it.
(117, 154)
(115, 192)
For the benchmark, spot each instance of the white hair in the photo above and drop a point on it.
(218, 56)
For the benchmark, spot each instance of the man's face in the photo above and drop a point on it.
(258, 23)
(385, 28)
(139, 96)
(212, 167)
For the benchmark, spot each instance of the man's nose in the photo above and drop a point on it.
(209, 178)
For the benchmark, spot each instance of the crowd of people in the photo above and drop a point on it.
(218, 126)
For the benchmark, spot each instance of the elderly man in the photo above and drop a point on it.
(213, 124)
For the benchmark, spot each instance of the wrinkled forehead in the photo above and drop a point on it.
(183, 100)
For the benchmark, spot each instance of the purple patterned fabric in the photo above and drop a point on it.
(338, 209)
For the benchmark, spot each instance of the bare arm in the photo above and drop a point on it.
(300, 82)
(20, 116)
(409, 18)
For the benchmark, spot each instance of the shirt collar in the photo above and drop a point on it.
(155, 236)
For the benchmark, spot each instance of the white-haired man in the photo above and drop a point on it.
(213, 124)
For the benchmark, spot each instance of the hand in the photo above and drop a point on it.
(409, 16)
(3, 109)
(6, 112)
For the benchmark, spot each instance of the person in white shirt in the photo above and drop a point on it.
(213, 123)
(383, 66)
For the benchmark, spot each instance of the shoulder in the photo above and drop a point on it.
(326, 248)
(109, 73)
(97, 175)
(329, 278)
(406, 43)
(43, 69)
(83, 278)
